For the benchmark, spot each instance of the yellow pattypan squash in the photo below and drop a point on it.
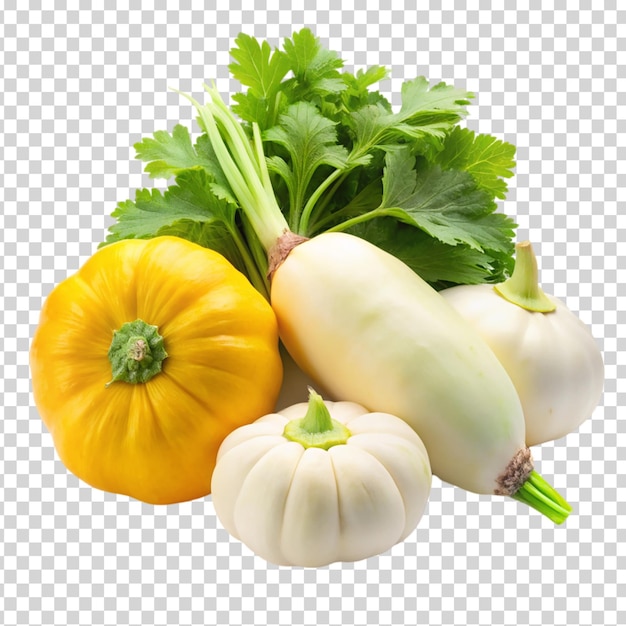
(145, 359)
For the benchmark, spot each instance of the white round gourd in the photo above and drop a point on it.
(309, 506)
(550, 355)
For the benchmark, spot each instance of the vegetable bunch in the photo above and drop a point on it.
(339, 158)
(362, 225)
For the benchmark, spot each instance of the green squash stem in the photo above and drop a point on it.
(522, 288)
(136, 353)
(540, 495)
(521, 482)
(317, 429)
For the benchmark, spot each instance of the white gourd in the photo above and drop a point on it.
(294, 503)
(366, 328)
(549, 353)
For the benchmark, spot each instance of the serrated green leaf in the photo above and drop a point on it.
(488, 159)
(257, 66)
(261, 70)
(309, 137)
(315, 68)
(357, 95)
(309, 60)
(439, 264)
(447, 204)
(167, 154)
(426, 114)
(252, 109)
(418, 98)
(364, 79)
(340, 157)
(310, 141)
(191, 198)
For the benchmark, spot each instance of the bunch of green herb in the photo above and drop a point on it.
(340, 158)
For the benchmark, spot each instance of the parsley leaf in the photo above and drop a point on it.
(425, 115)
(168, 154)
(486, 158)
(262, 70)
(447, 204)
(315, 69)
(190, 198)
(329, 149)
(173, 154)
(311, 141)
(192, 210)
(437, 263)
(357, 94)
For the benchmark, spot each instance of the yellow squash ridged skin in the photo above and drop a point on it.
(369, 330)
(155, 441)
(552, 358)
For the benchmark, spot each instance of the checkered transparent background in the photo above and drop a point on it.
(79, 86)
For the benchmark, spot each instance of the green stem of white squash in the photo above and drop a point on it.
(523, 287)
(541, 496)
(317, 429)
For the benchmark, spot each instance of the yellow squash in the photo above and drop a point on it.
(195, 355)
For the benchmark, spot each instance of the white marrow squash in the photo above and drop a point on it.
(368, 329)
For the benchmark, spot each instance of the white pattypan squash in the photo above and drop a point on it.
(321, 482)
(548, 352)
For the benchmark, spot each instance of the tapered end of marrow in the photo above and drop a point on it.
(521, 482)
(516, 473)
(281, 249)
